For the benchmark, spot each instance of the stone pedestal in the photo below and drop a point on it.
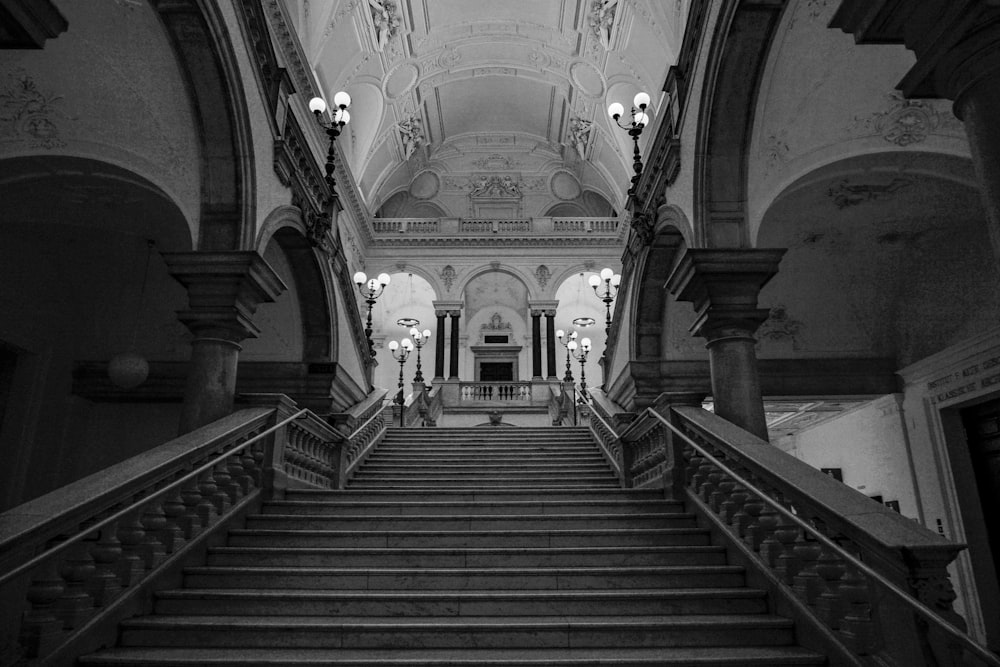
(224, 290)
(723, 285)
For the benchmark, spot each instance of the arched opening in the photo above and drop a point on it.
(409, 296)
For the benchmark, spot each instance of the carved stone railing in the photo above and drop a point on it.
(872, 584)
(76, 561)
(371, 424)
(470, 392)
(386, 228)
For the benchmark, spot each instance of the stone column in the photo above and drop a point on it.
(536, 344)
(439, 345)
(224, 290)
(453, 365)
(723, 285)
(550, 343)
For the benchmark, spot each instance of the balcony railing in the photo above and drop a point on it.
(495, 391)
(386, 227)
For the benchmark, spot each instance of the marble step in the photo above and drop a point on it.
(596, 465)
(519, 507)
(376, 539)
(475, 494)
(554, 473)
(496, 578)
(428, 483)
(437, 557)
(728, 656)
(473, 522)
(457, 603)
(456, 632)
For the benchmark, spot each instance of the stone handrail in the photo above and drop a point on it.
(873, 582)
(85, 554)
(494, 391)
(429, 406)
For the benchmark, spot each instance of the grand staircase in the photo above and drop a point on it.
(485, 546)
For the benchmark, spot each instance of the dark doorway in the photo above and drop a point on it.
(8, 363)
(982, 429)
(496, 372)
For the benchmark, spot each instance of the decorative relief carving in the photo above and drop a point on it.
(811, 9)
(411, 134)
(497, 161)
(487, 71)
(29, 113)
(775, 150)
(846, 194)
(448, 275)
(385, 21)
(602, 19)
(496, 323)
(579, 135)
(495, 187)
(449, 58)
(905, 122)
(542, 275)
(779, 326)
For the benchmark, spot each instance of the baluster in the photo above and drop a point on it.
(106, 552)
(178, 522)
(786, 562)
(77, 569)
(251, 469)
(808, 583)
(732, 512)
(131, 566)
(191, 497)
(830, 606)
(857, 627)
(224, 483)
(41, 625)
(258, 462)
(206, 508)
(153, 548)
(724, 487)
(240, 479)
(712, 477)
(753, 509)
(694, 473)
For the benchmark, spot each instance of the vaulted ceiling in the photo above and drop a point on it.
(447, 93)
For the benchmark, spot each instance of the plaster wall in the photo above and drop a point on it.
(109, 89)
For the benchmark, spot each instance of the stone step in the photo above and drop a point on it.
(456, 632)
(497, 578)
(731, 656)
(473, 465)
(377, 539)
(475, 494)
(519, 507)
(427, 483)
(437, 557)
(457, 603)
(472, 522)
(553, 473)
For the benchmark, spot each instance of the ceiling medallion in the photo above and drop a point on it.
(400, 79)
(587, 78)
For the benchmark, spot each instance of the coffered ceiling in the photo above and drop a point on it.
(449, 92)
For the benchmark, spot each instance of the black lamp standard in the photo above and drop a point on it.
(606, 294)
(639, 120)
(581, 356)
(371, 290)
(400, 352)
(571, 338)
(340, 117)
(420, 339)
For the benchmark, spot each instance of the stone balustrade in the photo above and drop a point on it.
(873, 583)
(79, 556)
(495, 391)
(581, 226)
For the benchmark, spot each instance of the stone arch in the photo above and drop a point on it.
(208, 62)
(524, 278)
(733, 71)
(284, 227)
(647, 297)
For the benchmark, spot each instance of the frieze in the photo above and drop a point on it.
(29, 113)
(846, 194)
(905, 122)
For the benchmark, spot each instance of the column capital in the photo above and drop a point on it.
(956, 43)
(723, 285)
(224, 290)
(448, 305)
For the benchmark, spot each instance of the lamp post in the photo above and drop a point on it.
(571, 338)
(581, 356)
(611, 282)
(639, 120)
(371, 290)
(420, 339)
(339, 119)
(401, 352)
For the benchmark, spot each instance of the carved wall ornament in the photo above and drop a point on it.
(496, 323)
(411, 134)
(779, 326)
(811, 9)
(30, 114)
(846, 194)
(385, 21)
(450, 58)
(643, 226)
(602, 19)
(542, 275)
(448, 275)
(775, 150)
(904, 123)
(495, 186)
(497, 161)
(579, 135)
